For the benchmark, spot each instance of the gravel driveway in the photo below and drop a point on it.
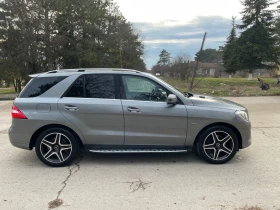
(153, 181)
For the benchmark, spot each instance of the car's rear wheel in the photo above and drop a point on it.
(56, 147)
(217, 144)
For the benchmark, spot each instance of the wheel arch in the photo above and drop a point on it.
(235, 130)
(40, 130)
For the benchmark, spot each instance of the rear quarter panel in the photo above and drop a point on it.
(40, 112)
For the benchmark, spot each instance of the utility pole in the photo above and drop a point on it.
(197, 63)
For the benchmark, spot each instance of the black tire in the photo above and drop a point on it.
(56, 147)
(217, 144)
(195, 149)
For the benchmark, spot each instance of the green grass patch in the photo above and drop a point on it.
(227, 87)
(7, 91)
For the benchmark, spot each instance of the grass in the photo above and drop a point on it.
(7, 91)
(227, 87)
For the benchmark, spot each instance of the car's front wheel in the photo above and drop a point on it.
(56, 147)
(217, 144)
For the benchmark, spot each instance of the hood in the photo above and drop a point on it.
(208, 101)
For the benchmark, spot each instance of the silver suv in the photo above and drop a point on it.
(122, 111)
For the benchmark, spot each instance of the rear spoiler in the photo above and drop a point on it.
(35, 75)
(38, 74)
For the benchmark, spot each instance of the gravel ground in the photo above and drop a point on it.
(154, 181)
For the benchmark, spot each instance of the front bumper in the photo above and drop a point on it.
(245, 131)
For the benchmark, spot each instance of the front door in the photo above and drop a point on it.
(91, 105)
(149, 120)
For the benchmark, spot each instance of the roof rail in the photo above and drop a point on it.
(126, 70)
(90, 69)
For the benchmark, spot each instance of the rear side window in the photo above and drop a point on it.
(93, 86)
(100, 86)
(39, 85)
(77, 89)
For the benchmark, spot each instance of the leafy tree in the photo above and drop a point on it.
(209, 56)
(256, 46)
(97, 35)
(41, 35)
(277, 28)
(230, 60)
(181, 66)
(156, 69)
(164, 61)
(19, 41)
(164, 58)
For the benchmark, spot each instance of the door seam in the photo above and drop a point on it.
(123, 123)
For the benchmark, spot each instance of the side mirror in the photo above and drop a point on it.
(172, 99)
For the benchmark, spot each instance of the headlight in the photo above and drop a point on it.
(243, 115)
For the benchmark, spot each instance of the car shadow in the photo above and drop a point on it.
(86, 158)
(137, 158)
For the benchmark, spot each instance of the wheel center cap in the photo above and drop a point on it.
(56, 148)
(218, 145)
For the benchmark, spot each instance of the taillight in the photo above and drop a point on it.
(17, 114)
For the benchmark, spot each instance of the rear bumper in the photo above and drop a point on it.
(19, 139)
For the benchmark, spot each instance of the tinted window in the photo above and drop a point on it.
(38, 86)
(139, 88)
(77, 89)
(100, 86)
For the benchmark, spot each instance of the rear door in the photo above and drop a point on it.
(92, 105)
(149, 120)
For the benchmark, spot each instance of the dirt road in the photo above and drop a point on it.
(154, 181)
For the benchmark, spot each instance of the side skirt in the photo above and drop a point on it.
(135, 149)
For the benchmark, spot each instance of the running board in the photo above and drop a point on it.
(137, 150)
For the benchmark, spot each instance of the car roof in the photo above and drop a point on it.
(68, 72)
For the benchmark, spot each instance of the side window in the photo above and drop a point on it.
(100, 86)
(142, 89)
(39, 85)
(77, 89)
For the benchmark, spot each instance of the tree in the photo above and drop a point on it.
(97, 35)
(277, 28)
(181, 65)
(230, 60)
(19, 45)
(164, 58)
(256, 46)
(156, 69)
(209, 56)
(164, 61)
(41, 35)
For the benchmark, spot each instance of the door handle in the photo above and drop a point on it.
(133, 109)
(70, 108)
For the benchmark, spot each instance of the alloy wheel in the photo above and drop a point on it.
(56, 147)
(218, 145)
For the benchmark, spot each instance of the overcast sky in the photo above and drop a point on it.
(178, 25)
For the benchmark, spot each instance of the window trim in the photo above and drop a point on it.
(121, 88)
(123, 96)
(117, 87)
(84, 87)
(69, 88)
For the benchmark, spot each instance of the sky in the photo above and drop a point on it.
(179, 25)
